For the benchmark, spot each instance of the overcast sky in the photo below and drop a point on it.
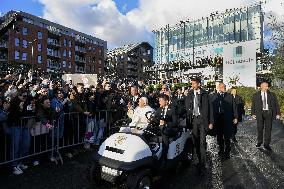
(126, 21)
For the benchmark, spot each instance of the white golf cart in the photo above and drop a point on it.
(131, 160)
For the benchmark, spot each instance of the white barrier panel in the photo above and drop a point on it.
(86, 79)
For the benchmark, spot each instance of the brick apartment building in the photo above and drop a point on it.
(51, 47)
(128, 61)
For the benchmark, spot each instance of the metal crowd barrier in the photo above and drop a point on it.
(31, 138)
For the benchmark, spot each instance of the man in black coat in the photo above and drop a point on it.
(265, 109)
(225, 115)
(199, 114)
(166, 118)
(240, 109)
(134, 97)
(178, 101)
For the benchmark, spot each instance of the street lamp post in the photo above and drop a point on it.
(184, 41)
(31, 42)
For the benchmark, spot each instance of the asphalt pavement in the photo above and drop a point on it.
(248, 168)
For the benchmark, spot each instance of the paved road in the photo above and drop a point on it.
(248, 168)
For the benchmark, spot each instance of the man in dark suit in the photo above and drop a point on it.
(225, 115)
(133, 100)
(134, 97)
(166, 118)
(240, 109)
(178, 100)
(265, 109)
(199, 113)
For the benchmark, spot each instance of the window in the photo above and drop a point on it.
(100, 70)
(39, 47)
(70, 54)
(24, 56)
(25, 44)
(64, 53)
(239, 50)
(25, 31)
(100, 61)
(70, 43)
(17, 55)
(17, 42)
(39, 59)
(69, 64)
(149, 52)
(28, 20)
(39, 35)
(64, 64)
(65, 42)
(41, 25)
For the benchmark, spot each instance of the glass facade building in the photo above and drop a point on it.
(179, 42)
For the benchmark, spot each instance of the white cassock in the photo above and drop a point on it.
(139, 120)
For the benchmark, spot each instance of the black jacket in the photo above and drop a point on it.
(273, 106)
(15, 114)
(99, 100)
(179, 105)
(205, 107)
(240, 107)
(229, 111)
(170, 118)
(134, 103)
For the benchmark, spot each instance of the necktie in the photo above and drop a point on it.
(195, 109)
(221, 102)
(264, 101)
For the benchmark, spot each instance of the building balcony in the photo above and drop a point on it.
(53, 54)
(3, 59)
(131, 67)
(53, 65)
(53, 43)
(132, 62)
(79, 49)
(80, 59)
(79, 40)
(3, 45)
(132, 73)
(79, 69)
(54, 31)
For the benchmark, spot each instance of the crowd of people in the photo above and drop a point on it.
(62, 107)
(48, 101)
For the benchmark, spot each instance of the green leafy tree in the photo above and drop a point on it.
(276, 28)
(277, 67)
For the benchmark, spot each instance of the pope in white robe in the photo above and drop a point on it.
(139, 120)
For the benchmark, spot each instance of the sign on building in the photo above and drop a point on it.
(240, 63)
(86, 79)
